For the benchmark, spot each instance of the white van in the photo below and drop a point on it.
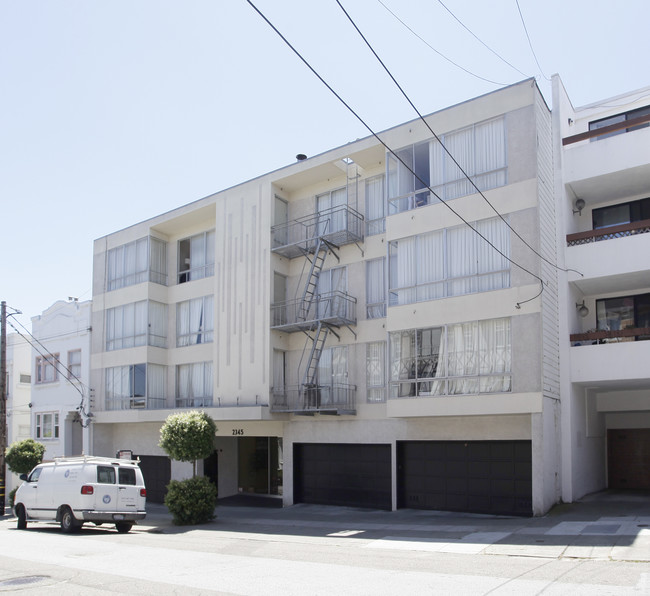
(74, 490)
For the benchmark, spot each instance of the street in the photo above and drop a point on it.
(319, 550)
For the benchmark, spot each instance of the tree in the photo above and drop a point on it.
(22, 456)
(189, 436)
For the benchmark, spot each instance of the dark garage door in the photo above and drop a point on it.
(157, 472)
(473, 476)
(353, 475)
(628, 458)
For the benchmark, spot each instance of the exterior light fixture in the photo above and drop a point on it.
(579, 206)
(301, 157)
(583, 311)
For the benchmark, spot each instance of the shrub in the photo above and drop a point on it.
(22, 456)
(188, 436)
(191, 501)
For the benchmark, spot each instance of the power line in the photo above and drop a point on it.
(376, 136)
(529, 42)
(465, 174)
(479, 39)
(424, 41)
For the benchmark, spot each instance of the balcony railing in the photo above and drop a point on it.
(337, 398)
(135, 403)
(194, 402)
(598, 132)
(606, 336)
(608, 233)
(338, 225)
(335, 308)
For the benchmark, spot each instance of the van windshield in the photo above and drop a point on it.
(105, 475)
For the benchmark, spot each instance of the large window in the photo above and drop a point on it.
(463, 358)
(376, 288)
(135, 386)
(619, 118)
(375, 206)
(449, 262)
(479, 149)
(136, 262)
(194, 385)
(621, 213)
(331, 207)
(196, 257)
(46, 368)
(332, 288)
(625, 312)
(195, 321)
(375, 376)
(74, 364)
(333, 375)
(136, 324)
(47, 425)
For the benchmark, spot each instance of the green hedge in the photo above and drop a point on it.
(191, 501)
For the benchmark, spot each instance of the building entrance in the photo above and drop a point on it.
(260, 463)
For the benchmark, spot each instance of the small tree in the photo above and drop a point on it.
(22, 456)
(189, 436)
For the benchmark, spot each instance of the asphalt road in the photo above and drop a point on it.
(280, 553)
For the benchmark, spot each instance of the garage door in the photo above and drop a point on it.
(353, 475)
(157, 472)
(628, 458)
(473, 476)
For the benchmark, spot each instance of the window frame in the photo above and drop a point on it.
(119, 274)
(376, 393)
(43, 364)
(185, 272)
(74, 368)
(203, 334)
(40, 425)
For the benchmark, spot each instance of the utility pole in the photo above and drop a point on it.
(3, 402)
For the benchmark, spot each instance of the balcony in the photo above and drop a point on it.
(338, 226)
(336, 399)
(135, 403)
(609, 168)
(333, 308)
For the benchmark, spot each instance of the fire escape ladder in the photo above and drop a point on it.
(311, 370)
(311, 286)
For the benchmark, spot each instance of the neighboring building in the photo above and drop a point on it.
(18, 396)
(355, 341)
(603, 188)
(60, 372)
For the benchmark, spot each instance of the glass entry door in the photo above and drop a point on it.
(260, 463)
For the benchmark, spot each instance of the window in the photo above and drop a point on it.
(194, 385)
(105, 475)
(627, 312)
(135, 386)
(480, 149)
(618, 118)
(279, 310)
(332, 209)
(375, 376)
(47, 425)
(375, 206)
(463, 358)
(136, 324)
(621, 213)
(24, 378)
(196, 257)
(137, 262)
(35, 475)
(279, 372)
(376, 288)
(195, 321)
(46, 368)
(449, 262)
(74, 364)
(126, 476)
(332, 291)
(333, 375)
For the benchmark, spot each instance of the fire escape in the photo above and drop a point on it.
(315, 313)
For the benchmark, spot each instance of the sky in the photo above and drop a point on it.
(114, 111)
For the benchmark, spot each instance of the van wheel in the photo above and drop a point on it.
(123, 527)
(68, 522)
(22, 518)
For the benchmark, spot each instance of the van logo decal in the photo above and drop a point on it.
(107, 499)
(67, 473)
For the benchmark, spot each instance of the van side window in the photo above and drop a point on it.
(127, 476)
(33, 477)
(105, 475)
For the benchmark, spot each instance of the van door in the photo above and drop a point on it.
(29, 492)
(106, 489)
(128, 490)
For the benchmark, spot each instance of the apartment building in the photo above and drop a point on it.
(603, 187)
(60, 391)
(18, 396)
(365, 327)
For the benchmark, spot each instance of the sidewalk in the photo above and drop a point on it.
(608, 525)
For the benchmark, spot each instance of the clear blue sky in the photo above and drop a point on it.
(112, 111)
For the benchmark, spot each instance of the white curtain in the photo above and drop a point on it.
(460, 144)
(403, 277)
(461, 260)
(495, 355)
(210, 252)
(158, 260)
(402, 363)
(430, 266)
(490, 154)
(462, 358)
(278, 372)
(375, 378)
(182, 323)
(155, 382)
(376, 288)
(157, 324)
(493, 268)
(197, 256)
(375, 206)
(196, 321)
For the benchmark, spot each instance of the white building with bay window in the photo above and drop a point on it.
(387, 328)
